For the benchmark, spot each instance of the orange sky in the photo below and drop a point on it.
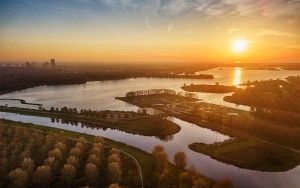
(201, 31)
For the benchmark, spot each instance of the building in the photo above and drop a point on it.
(52, 62)
(46, 64)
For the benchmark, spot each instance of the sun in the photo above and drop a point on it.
(239, 45)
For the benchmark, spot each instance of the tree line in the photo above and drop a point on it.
(31, 158)
(169, 176)
(160, 92)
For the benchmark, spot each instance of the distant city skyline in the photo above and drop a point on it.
(150, 30)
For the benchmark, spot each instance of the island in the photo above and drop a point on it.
(250, 154)
(209, 88)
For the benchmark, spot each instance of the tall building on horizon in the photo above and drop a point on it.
(52, 62)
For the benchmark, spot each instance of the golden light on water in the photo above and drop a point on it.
(237, 76)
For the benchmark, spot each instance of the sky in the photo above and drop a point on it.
(150, 30)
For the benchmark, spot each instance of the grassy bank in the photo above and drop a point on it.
(250, 154)
(152, 126)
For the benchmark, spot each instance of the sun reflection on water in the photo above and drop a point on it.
(237, 76)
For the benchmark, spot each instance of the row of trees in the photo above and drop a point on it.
(168, 176)
(160, 92)
(31, 158)
(99, 114)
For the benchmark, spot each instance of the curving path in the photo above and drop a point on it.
(138, 164)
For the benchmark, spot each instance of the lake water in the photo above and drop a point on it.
(100, 96)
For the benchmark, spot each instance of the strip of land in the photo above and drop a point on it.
(22, 101)
(152, 125)
(208, 88)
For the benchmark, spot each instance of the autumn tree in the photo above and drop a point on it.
(114, 172)
(114, 158)
(223, 183)
(42, 176)
(92, 173)
(28, 166)
(18, 178)
(160, 160)
(180, 160)
(68, 173)
(115, 185)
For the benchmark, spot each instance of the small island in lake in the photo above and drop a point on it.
(209, 88)
(249, 154)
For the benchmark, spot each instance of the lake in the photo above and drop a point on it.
(101, 96)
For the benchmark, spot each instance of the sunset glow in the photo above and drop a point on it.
(185, 31)
(239, 45)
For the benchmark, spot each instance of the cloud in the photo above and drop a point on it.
(209, 8)
(270, 32)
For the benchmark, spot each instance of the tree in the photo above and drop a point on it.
(180, 160)
(68, 173)
(42, 176)
(92, 173)
(72, 160)
(114, 151)
(75, 151)
(28, 166)
(18, 178)
(114, 158)
(95, 151)
(185, 179)
(160, 159)
(56, 153)
(94, 159)
(114, 172)
(114, 186)
(223, 183)
(201, 183)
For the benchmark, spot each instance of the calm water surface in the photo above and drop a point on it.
(100, 96)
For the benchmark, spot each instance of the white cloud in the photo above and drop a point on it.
(270, 32)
